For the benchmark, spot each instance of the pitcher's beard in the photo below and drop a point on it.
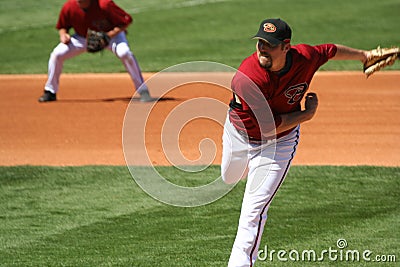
(265, 62)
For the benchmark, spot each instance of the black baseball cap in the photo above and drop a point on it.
(274, 31)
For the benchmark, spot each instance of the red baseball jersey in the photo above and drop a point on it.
(102, 15)
(255, 87)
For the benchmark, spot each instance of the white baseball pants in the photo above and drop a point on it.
(118, 45)
(266, 166)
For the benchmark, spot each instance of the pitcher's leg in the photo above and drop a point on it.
(253, 213)
(234, 155)
(267, 169)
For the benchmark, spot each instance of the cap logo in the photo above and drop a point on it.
(269, 27)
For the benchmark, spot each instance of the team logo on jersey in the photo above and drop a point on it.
(269, 27)
(295, 93)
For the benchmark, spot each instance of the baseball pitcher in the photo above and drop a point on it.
(262, 129)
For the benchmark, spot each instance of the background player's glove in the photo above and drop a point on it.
(379, 58)
(96, 41)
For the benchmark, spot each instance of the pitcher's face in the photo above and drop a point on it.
(267, 53)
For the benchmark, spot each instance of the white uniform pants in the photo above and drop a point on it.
(266, 166)
(118, 45)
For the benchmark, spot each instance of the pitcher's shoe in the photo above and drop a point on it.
(48, 96)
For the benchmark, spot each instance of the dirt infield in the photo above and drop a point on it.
(357, 122)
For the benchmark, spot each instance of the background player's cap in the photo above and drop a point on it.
(274, 31)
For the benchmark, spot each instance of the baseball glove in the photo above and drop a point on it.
(96, 41)
(379, 58)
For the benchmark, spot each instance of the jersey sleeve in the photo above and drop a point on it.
(117, 15)
(311, 58)
(323, 53)
(63, 19)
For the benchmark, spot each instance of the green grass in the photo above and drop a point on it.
(98, 216)
(166, 33)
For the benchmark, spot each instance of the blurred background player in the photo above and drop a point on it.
(99, 15)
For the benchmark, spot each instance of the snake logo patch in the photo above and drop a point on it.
(295, 93)
(269, 27)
